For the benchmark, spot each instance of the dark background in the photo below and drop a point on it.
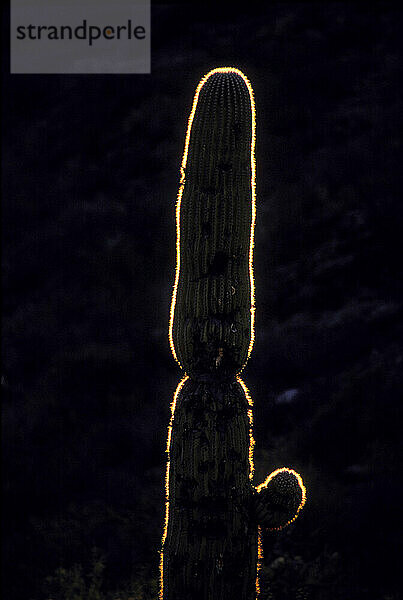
(90, 176)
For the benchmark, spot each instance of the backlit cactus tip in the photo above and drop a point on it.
(211, 546)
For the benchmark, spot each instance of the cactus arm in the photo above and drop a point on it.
(279, 499)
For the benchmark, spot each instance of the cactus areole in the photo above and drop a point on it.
(214, 517)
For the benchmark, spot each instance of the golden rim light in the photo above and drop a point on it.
(180, 193)
(168, 447)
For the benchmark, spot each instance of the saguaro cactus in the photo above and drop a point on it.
(211, 542)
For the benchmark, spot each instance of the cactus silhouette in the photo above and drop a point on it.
(211, 544)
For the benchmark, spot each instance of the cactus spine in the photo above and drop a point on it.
(211, 541)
